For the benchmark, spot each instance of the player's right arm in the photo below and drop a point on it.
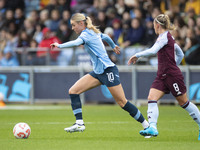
(76, 42)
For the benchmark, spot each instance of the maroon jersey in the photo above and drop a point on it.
(166, 57)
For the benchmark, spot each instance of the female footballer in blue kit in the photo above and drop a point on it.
(169, 77)
(104, 70)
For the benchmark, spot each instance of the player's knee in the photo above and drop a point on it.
(72, 91)
(121, 103)
(150, 97)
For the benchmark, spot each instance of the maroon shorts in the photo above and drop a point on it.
(173, 84)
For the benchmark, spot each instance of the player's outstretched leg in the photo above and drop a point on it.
(136, 114)
(77, 110)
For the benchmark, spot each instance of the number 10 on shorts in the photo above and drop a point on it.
(110, 76)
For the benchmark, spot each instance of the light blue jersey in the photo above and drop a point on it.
(94, 46)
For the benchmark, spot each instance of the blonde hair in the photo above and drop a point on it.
(164, 21)
(87, 20)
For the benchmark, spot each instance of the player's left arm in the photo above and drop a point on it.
(161, 42)
(148, 52)
(178, 54)
(108, 40)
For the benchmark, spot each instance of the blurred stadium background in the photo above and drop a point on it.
(31, 73)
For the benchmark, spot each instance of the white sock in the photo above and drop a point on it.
(193, 111)
(145, 124)
(79, 122)
(153, 113)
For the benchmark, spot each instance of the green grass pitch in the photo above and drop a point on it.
(108, 127)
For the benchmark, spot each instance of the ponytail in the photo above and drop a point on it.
(89, 25)
(164, 21)
(87, 20)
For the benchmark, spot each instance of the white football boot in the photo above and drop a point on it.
(75, 128)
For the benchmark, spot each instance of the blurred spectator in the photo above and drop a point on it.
(135, 34)
(38, 35)
(44, 18)
(116, 24)
(192, 55)
(34, 16)
(55, 19)
(12, 27)
(101, 20)
(9, 59)
(149, 35)
(63, 32)
(31, 58)
(11, 41)
(29, 27)
(44, 48)
(19, 18)
(181, 25)
(9, 17)
(111, 15)
(191, 22)
(23, 39)
(124, 33)
(190, 36)
(136, 13)
(126, 17)
(66, 15)
(23, 42)
(198, 21)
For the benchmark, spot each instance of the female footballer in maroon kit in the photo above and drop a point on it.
(169, 77)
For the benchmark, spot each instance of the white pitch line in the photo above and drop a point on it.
(55, 123)
(34, 107)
